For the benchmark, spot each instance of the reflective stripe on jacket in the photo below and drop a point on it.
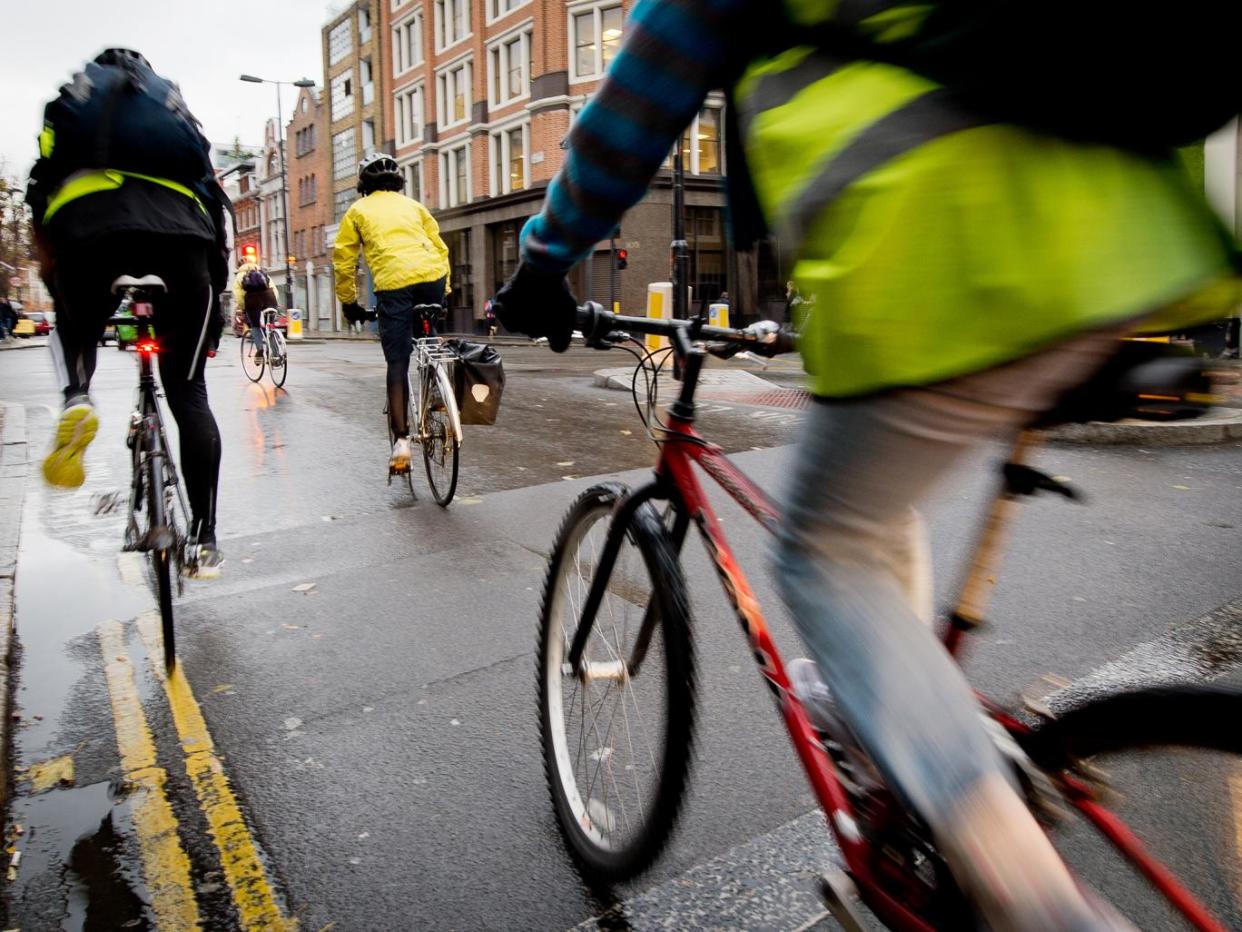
(937, 244)
(93, 181)
(401, 241)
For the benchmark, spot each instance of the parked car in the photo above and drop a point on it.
(42, 323)
(25, 327)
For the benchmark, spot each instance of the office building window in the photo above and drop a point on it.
(409, 115)
(344, 158)
(453, 95)
(341, 94)
(413, 173)
(509, 62)
(341, 201)
(499, 8)
(509, 159)
(340, 41)
(594, 38)
(366, 79)
(452, 22)
(407, 44)
(455, 176)
(364, 25)
(701, 145)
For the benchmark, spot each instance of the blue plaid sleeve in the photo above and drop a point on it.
(675, 52)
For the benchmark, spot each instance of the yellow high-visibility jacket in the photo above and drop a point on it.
(401, 240)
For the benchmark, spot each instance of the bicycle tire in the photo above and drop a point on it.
(249, 361)
(278, 350)
(583, 824)
(440, 448)
(1195, 715)
(1163, 732)
(161, 557)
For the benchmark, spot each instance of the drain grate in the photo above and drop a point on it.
(795, 398)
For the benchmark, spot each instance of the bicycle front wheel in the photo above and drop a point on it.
(439, 442)
(278, 358)
(616, 737)
(252, 364)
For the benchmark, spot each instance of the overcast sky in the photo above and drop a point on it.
(202, 46)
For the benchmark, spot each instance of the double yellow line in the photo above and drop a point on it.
(166, 866)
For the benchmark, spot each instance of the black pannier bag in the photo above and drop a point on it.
(478, 381)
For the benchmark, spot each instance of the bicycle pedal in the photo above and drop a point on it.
(1036, 696)
(840, 896)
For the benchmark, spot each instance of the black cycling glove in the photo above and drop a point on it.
(356, 313)
(538, 304)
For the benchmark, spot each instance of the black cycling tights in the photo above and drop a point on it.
(187, 324)
(397, 324)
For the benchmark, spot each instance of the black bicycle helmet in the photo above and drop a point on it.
(122, 58)
(379, 172)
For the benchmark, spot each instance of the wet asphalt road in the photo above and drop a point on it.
(379, 729)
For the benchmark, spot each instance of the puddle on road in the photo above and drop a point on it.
(62, 595)
(73, 854)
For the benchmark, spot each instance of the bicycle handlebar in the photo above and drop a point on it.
(598, 327)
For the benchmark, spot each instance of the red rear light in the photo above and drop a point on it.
(148, 346)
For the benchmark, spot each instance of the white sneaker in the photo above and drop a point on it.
(400, 459)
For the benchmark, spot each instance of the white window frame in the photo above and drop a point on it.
(409, 111)
(347, 103)
(498, 51)
(365, 31)
(340, 53)
(407, 43)
(691, 165)
(443, 39)
(499, 152)
(498, 10)
(596, 8)
(449, 195)
(409, 171)
(464, 64)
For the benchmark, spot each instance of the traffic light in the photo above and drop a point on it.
(250, 253)
(623, 258)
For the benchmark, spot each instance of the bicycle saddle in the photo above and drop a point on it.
(147, 282)
(428, 311)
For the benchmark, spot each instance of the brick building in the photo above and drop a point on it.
(483, 92)
(310, 207)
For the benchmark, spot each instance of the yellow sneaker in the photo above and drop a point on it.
(63, 466)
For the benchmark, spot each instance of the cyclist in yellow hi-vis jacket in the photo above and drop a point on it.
(410, 266)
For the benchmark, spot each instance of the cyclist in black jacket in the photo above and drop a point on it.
(124, 186)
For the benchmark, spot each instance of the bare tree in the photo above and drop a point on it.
(16, 240)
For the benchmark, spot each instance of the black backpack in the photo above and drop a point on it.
(255, 280)
(122, 115)
(1141, 76)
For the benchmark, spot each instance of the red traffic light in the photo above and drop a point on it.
(623, 258)
(250, 253)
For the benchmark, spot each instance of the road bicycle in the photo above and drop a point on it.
(616, 679)
(158, 522)
(274, 357)
(432, 409)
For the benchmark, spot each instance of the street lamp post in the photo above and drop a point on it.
(284, 181)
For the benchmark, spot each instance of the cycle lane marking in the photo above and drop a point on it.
(165, 864)
(240, 860)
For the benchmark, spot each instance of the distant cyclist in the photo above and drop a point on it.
(253, 294)
(124, 186)
(409, 264)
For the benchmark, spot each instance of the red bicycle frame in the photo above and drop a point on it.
(681, 449)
